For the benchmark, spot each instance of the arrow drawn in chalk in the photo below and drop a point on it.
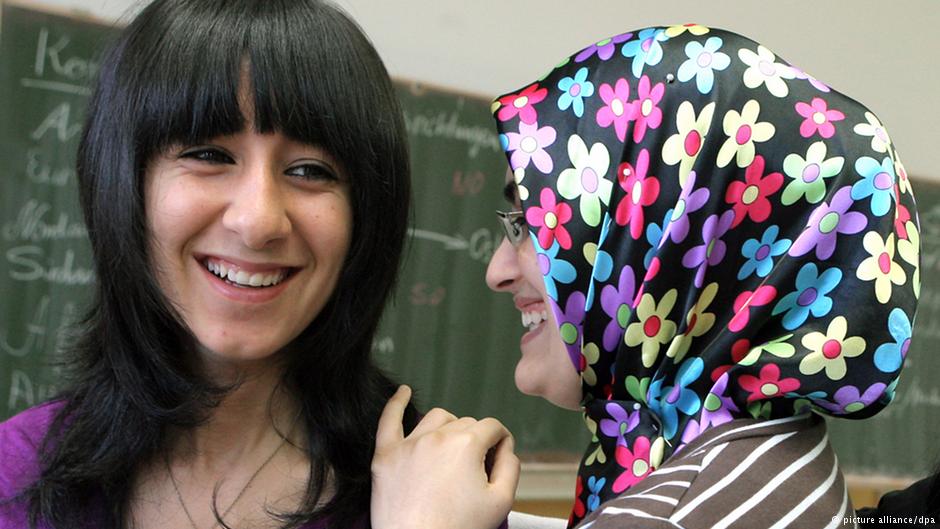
(456, 242)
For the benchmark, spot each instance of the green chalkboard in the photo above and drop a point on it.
(47, 65)
(445, 334)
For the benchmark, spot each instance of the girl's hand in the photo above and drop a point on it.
(448, 473)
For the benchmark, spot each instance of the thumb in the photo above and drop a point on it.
(390, 429)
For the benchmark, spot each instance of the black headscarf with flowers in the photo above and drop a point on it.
(722, 236)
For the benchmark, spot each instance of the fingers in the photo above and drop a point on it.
(390, 428)
(433, 420)
(504, 477)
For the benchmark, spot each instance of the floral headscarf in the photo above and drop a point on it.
(722, 236)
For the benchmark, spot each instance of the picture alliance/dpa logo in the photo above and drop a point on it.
(887, 520)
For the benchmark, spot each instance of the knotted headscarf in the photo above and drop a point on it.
(722, 236)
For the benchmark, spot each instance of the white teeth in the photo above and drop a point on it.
(531, 320)
(243, 278)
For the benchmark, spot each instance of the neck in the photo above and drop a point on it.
(250, 421)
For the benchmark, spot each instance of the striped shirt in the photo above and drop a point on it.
(746, 474)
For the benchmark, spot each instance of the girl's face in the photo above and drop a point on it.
(544, 369)
(248, 234)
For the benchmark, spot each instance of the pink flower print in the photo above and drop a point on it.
(902, 215)
(642, 190)
(550, 218)
(528, 145)
(764, 295)
(768, 384)
(636, 464)
(619, 110)
(645, 109)
(819, 118)
(522, 104)
(750, 197)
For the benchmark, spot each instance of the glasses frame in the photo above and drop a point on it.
(514, 225)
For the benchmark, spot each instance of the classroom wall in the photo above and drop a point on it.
(883, 53)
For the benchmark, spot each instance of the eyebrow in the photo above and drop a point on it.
(509, 192)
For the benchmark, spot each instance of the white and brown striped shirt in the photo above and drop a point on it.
(746, 474)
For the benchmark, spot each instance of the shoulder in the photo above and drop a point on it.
(746, 472)
(20, 439)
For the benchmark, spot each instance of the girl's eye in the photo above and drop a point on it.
(208, 155)
(312, 171)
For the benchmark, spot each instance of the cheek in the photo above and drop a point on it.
(530, 269)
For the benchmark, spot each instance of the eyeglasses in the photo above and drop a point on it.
(515, 225)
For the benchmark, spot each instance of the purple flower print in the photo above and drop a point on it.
(714, 249)
(570, 325)
(848, 400)
(689, 201)
(826, 222)
(620, 423)
(529, 145)
(617, 303)
(604, 49)
(716, 410)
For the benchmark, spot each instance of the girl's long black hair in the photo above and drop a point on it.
(173, 75)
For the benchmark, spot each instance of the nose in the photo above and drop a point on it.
(257, 211)
(503, 270)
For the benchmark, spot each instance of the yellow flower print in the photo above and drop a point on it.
(653, 329)
(743, 131)
(880, 266)
(519, 176)
(904, 183)
(591, 354)
(778, 347)
(830, 350)
(695, 29)
(879, 136)
(697, 323)
(909, 250)
(684, 147)
(598, 455)
(763, 69)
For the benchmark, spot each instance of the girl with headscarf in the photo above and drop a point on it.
(745, 251)
(729, 249)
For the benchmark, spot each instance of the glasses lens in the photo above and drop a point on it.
(514, 224)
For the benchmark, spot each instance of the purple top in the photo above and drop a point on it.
(20, 437)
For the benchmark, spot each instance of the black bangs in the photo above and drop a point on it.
(310, 75)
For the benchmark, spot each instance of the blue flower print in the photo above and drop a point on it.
(645, 49)
(603, 263)
(890, 391)
(760, 253)
(667, 402)
(890, 356)
(553, 269)
(595, 485)
(810, 296)
(654, 236)
(702, 63)
(574, 90)
(877, 182)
